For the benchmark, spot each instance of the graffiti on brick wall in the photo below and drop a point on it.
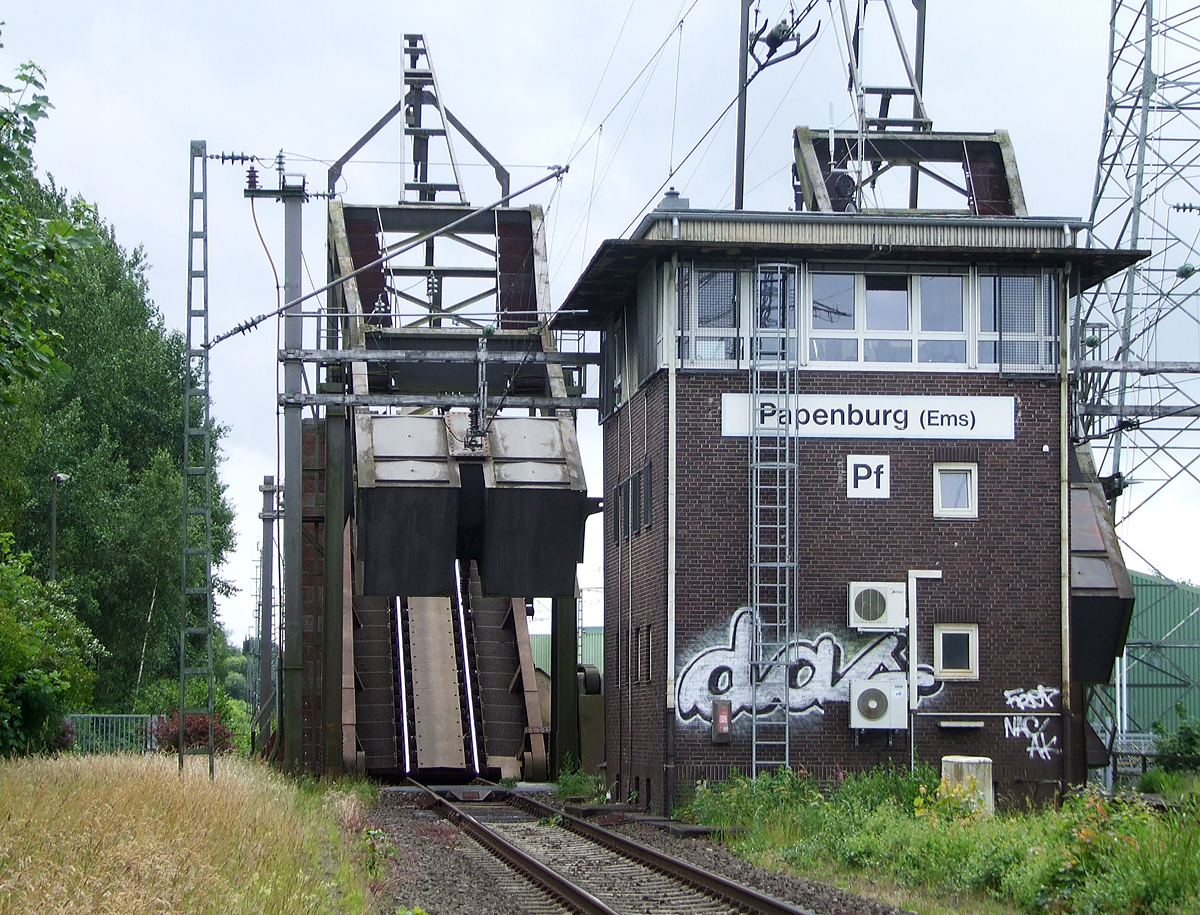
(821, 673)
(1032, 728)
(1027, 700)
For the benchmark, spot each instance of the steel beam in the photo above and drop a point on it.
(266, 648)
(437, 400)
(1150, 411)
(292, 678)
(564, 693)
(1141, 368)
(433, 355)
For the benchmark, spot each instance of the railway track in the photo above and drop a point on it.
(572, 865)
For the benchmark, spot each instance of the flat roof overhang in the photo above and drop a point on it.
(611, 276)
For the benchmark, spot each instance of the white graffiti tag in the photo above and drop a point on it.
(1032, 728)
(1027, 700)
(818, 673)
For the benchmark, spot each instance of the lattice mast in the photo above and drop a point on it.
(863, 94)
(196, 581)
(1136, 338)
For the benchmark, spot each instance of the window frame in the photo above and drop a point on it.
(940, 671)
(915, 333)
(690, 336)
(1044, 335)
(971, 512)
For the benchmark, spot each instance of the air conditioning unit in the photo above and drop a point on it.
(879, 704)
(877, 605)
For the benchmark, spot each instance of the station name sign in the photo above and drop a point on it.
(870, 416)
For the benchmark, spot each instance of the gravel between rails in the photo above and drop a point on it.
(439, 869)
(442, 871)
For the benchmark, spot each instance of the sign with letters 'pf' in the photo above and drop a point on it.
(877, 416)
(868, 476)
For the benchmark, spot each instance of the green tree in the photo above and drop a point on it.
(47, 657)
(73, 296)
(35, 251)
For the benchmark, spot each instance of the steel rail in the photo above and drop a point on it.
(749, 899)
(558, 886)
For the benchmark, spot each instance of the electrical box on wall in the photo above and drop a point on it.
(877, 605)
(722, 720)
(879, 704)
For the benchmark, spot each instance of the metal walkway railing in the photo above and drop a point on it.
(113, 733)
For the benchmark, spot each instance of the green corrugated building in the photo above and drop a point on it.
(591, 648)
(1161, 666)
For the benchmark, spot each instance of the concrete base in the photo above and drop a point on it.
(958, 770)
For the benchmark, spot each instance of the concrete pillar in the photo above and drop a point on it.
(958, 770)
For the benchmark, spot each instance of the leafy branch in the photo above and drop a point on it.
(34, 252)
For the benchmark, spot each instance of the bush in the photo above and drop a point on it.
(47, 658)
(573, 782)
(1097, 855)
(1180, 751)
(165, 729)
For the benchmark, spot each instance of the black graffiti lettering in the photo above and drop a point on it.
(800, 674)
(720, 681)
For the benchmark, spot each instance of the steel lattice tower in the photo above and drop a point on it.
(1136, 338)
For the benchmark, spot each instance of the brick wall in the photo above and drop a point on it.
(313, 585)
(1001, 571)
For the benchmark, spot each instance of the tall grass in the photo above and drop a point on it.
(124, 834)
(1096, 855)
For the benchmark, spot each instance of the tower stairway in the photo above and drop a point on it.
(375, 681)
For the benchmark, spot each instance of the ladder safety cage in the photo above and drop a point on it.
(774, 360)
(196, 581)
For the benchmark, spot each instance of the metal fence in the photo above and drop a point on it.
(113, 733)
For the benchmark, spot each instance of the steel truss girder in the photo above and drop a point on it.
(1129, 333)
(445, 401)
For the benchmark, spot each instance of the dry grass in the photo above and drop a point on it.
(125, 834)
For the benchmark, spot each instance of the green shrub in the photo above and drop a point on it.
(47, 657)
(1172, 786)
(573, 782)
(1179, 751)
(884, 785)
(950, 802)
(1096, 855)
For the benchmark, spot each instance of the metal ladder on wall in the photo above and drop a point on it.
(196, 607)
(774, 357)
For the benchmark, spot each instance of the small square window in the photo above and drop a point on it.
(956, 651)
(955, 491)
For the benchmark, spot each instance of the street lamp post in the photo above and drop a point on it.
(54, 481)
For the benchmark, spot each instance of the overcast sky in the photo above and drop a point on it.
(540, 83)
